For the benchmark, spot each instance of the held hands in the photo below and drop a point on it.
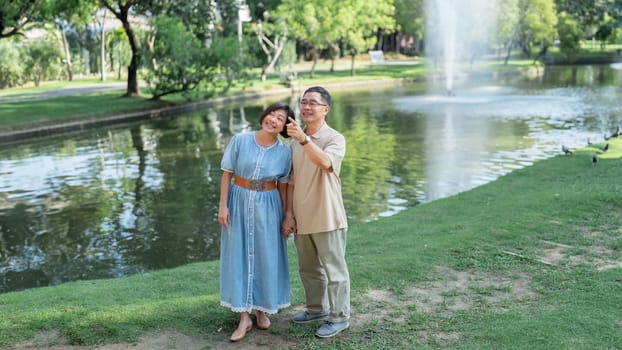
(288, 226)
(295, 131)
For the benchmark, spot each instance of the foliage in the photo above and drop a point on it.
(178, 62)
(590, 13)
(121, 10)
(232, 64)
(569, 36)
(507, 25)
(197, 16)
(228, 23)
(118, 48)
(11, 65)
(605, 31)
(410, 18)
(359, 22)
(272, 35)
(15, 15)
(313, 22)
(42, 61)
(537, 25)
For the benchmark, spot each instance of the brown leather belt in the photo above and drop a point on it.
(254, 185)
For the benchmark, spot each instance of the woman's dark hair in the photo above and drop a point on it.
(275, 107)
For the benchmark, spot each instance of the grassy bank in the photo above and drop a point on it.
(529, 261)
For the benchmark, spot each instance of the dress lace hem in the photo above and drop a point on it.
(253, 307)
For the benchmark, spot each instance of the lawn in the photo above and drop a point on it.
(532, 260)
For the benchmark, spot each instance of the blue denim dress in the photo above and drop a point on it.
(253, 255)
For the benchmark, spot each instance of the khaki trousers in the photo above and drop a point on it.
(324, 273)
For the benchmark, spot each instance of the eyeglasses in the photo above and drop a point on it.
(311, 104)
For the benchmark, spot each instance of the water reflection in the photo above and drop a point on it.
(120, 201)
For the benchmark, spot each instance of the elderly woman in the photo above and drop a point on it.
(253, 252)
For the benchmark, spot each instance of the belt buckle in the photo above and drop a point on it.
(257, 185)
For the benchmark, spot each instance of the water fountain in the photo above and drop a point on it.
(458, 31)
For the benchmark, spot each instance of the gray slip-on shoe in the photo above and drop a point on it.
(330, 329)
(306, 317)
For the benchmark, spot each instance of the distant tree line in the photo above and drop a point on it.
(206, 46)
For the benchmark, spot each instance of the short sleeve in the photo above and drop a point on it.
(230, 157)
(336, 150)
(288, 165)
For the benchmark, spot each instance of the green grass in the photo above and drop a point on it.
(72, 107)
(55, 85)
(472, 271)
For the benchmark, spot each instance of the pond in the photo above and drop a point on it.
(128, 199)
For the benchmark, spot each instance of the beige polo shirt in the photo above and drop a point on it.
(318, 203)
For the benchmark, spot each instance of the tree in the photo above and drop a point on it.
(537, 25)
(360, 22)
(196, 15)
(593, 16)
(314, 22)
(178, 62)
(42, 60)
(16, 14)
(409, 19)
(121, 10)
(100, 18)
(11, 65)
(508, 15)
(272, 37)
(68, 13)
(119, 51)
(230, 64)
(569, 36)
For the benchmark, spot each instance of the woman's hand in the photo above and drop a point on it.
(223, 216)
(288, 226)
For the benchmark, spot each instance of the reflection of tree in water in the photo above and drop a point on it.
(47, 238)
(588, 75)
(407, 164)
(44, 245)
(148, 201)
(179, 213)
(365, 173)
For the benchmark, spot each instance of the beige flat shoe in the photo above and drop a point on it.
(240, 333)
(263, 323)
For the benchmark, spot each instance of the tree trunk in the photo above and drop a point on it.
(121, 11)
(132, 69)
(275, 57)
(507, 56)
(86, 57)
(264, 75)
(315, 54)
(352, 72)
(102, 51)
(67, 53)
